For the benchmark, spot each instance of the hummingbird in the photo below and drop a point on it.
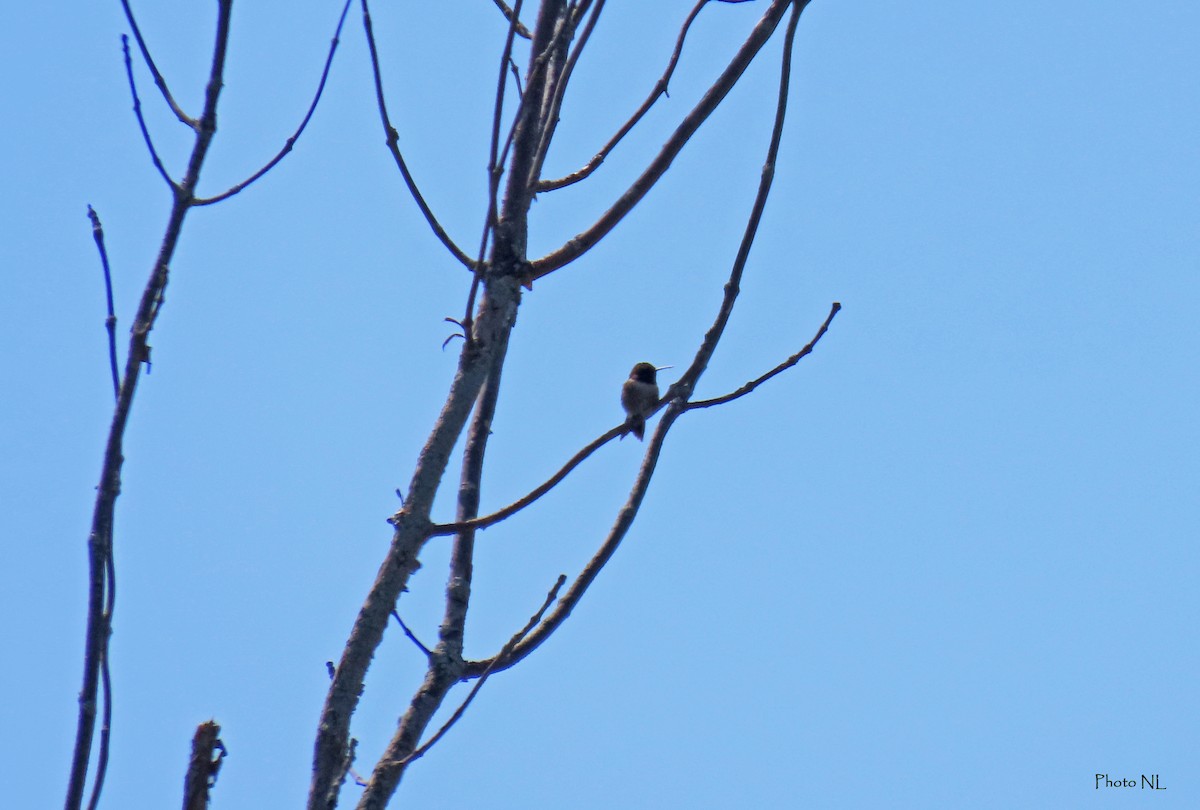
(639, 395)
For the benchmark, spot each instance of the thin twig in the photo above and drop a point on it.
(291, 141)
(493, 167)
(137, 110)
(660, 89)
(158, 79)
(551, 114)
(516, 73)
(393, 145)
(110, 322)
(487, 672)
(511, 16)
(407, 632)
(516, 506)
(784, 366)
(583, 242)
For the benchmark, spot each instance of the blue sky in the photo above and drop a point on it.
(949, 560)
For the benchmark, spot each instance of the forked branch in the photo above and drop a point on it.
(393, 145)
(660, 89)
(159, 82)
(101, 589)
(834, 309)
(295, 136)
(676, 398)
(585, 241)
(512, 642)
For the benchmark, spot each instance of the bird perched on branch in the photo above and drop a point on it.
(639, 395)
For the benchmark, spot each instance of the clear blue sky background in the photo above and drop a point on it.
(948, 561)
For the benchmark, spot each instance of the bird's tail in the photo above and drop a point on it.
(637, 426)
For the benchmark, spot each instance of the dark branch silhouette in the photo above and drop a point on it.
(660, 89)
(393, 145)
(512, 642)
(407, 632)
(551, 113)
(99, 621)
(137, 111)
(159, 82)
(101, 567)
(203, 766)
(521, 139)
(295, 136)
(582, 242)
(110, 322)
(834, 309)
(493, 321)
(495, 162)
(517, 505)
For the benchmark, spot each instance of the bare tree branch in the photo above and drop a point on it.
(393, 145)
(99, 621)
(407, 632)
(551, 112)
(105, 686)
(660, 89)
(511, 16)
(203, 766)
(445, 662)
(295, 136)
(158, 79)
(137, 110)
(495, 163)
(494, 319)
(480, 362)
(347, 770)
(110, 322)
(516, 506)
(779, 369)
(534, 638)
(512, 642)
(582, 242)
(687, 381)
(676, 397)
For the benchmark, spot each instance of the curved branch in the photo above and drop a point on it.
(534, 638)
(687, 381)
(784, 366)
(516, 506)
(393, 141)
(512, 642)
(291, 141)
(158, 79)
(660, 89)
(137, 110)
(581, 243)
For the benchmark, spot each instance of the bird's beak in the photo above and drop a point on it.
(662, 368)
